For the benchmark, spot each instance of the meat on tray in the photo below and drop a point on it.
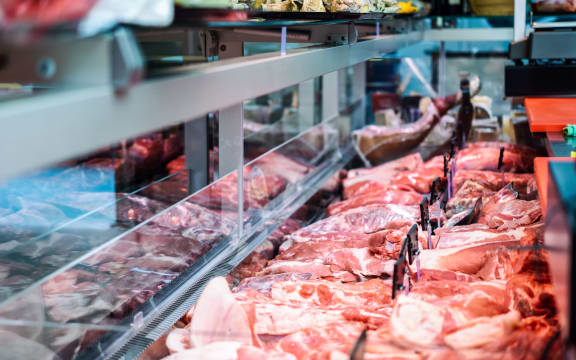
(308, 293)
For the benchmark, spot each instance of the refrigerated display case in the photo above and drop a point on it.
(123, 194)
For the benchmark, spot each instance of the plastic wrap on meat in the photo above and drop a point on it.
(30, 219)
(98, 174)
(222, 195)
(134, 208)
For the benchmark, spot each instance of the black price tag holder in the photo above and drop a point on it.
(401, 278)
(425, 220)
(413, 249)
(359, 347)
(500, 163)
(438, 192)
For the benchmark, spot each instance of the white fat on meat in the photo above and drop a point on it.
(469, 260)
(475, 234)
(219, 317)
(484, 331)
(417, 323)
(178, 340)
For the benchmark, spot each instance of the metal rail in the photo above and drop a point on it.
(59, 125)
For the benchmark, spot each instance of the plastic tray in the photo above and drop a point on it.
(550, 114)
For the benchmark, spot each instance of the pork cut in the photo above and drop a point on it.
(504, 211)
(376, 198)
(373, 293)
(368, 219)
(493, 179)
(418, 180)
(486, 158)
(384, 173)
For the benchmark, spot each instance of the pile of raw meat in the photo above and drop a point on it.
(484, 290)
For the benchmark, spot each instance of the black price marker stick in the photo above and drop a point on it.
(500, 163)
(434, 190)
(425, 220)
(414, 249)
(399, 281)
(452, 146)
(359, 347)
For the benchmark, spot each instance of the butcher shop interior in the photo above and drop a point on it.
(287, 179)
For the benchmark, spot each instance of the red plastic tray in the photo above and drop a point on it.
(550, 114)
(541, 171)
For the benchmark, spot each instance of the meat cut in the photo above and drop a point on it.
(487, 158)
(504, 211)
(481, 292)
(376, 198)
(493, 180)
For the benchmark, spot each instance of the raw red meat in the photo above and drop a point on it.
(288, 227)
(486, 158)
(372, 293)
(503, 211)
(516, 148)
(467, 195)
(378, 198)
(263, 284)
(384, 173)
(363, 188)
(453, 313)
(360, 262)
(418, 180)
(333, 341)
(479, 234)
(279, 165)
(365, 220)
(253, 263)
(493, 179)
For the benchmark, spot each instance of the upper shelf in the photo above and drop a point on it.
(59, 124)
